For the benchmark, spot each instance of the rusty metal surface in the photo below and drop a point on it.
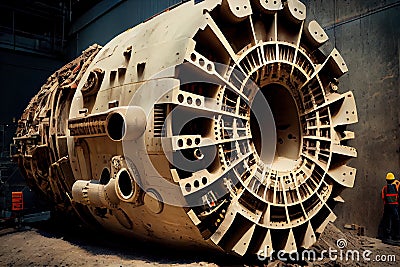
(161, 134)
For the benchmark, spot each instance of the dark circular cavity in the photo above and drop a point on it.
(105, 176)
(180, 98)
(116, 126)
(180, 143)
(189, 142)
(125, 184)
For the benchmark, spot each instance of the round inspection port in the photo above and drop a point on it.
(153, 201)
(105, 176)
(125, 184)
(115, 126)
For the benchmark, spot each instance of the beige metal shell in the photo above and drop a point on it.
(154, 136)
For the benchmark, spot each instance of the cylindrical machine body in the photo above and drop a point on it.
(216, 123)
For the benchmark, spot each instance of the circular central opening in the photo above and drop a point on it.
(287, 125)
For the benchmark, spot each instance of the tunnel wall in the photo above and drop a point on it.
(367, 35)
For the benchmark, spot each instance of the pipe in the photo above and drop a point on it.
(94, 194)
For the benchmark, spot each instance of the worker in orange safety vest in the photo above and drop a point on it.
(391, 220)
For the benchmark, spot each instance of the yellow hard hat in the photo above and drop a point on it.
(389, 176)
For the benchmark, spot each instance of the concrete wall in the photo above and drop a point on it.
(367, 33)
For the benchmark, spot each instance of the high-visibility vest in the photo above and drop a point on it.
(397, 183)
(390, 194)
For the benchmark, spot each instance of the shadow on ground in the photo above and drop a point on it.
(100, 242)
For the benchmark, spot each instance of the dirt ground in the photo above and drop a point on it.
(371, 251)
(48, 245)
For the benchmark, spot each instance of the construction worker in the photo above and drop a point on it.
(390, 220)
(397, 184)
